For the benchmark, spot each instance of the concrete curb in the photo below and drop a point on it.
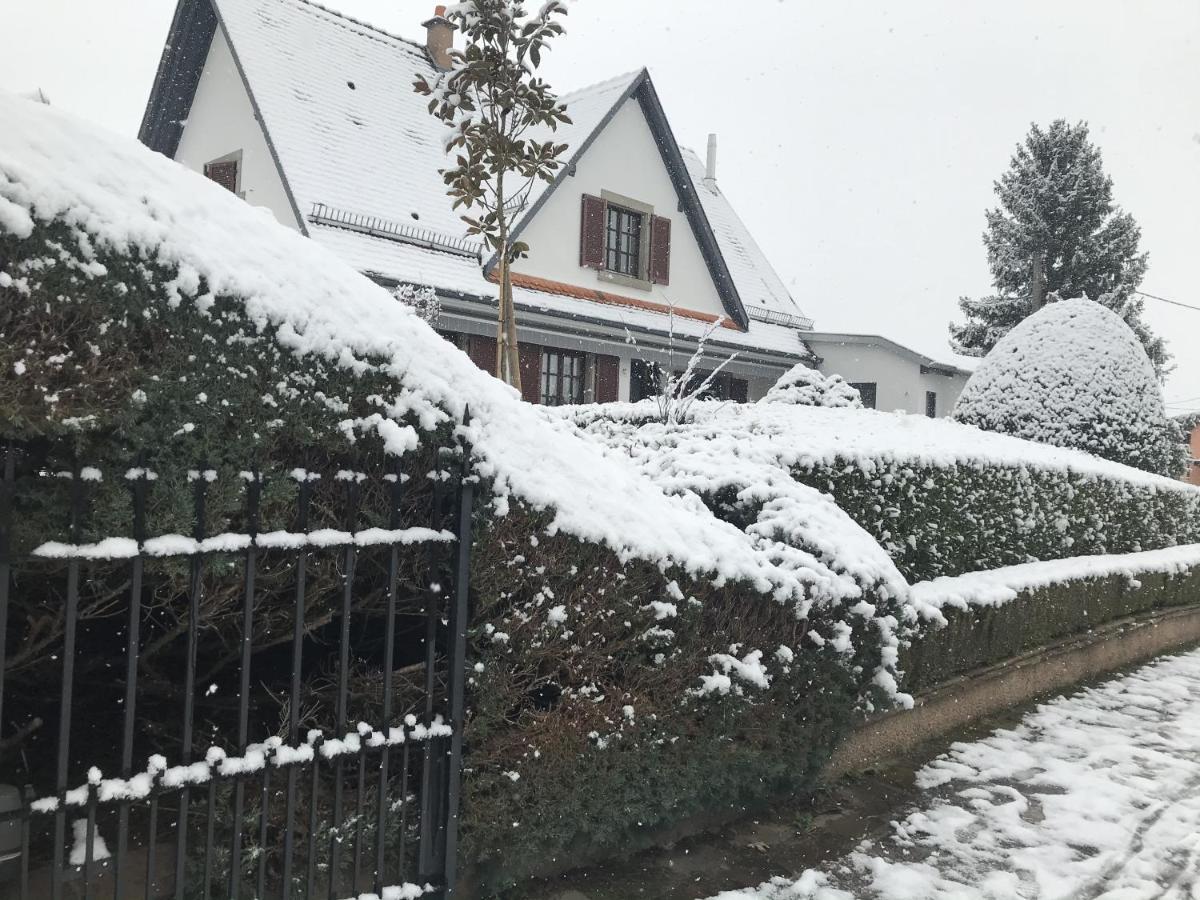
(1008, 684)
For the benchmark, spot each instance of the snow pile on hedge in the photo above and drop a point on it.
(805, 386)
(999, 586)
(940, 497)
(1074, 374)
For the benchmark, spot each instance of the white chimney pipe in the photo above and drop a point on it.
(710, 169)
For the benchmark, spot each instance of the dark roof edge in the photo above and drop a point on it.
(692, 205)
(262, 123)
(178, 75)
(643, 88)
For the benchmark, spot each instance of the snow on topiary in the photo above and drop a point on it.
(803, 386)
(1075, 375)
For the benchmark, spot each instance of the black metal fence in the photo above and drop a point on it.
(217, 683)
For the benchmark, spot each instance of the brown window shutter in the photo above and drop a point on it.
(608, 379)
(660, 250)
(591, 232)
(739, 390)
(482, 351)
(531, 373)
(223, 173)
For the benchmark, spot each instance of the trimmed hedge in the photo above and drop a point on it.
(936, 521)
(981, 636)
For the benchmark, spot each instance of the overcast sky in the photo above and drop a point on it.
(858, 140)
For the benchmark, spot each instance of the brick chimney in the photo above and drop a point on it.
(439, 40)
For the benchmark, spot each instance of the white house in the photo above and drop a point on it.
(635, 251)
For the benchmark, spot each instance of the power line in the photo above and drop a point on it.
(1165, 300)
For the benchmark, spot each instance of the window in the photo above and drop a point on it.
(623, 242)
(562, 377)
(867, 390)
(224, 172)
(723, 386)
(643, 380)
(931, 404)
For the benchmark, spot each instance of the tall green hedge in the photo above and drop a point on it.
(951, 520)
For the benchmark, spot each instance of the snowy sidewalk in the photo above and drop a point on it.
(1096, 795)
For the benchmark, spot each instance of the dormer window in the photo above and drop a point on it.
(226, 171)
(625, 241)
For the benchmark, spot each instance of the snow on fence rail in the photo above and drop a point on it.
(247, 658)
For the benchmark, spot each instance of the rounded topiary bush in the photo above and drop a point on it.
(1075, 375)
(802, 386)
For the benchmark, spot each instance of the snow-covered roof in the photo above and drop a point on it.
(759, 285)
(355, 143)
(963, 366)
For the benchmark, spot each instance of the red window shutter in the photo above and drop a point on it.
(739, 390)
(531, 373)
(608, 379)
(223, 173)
(482, 351)
(660, 250)
(591, 232)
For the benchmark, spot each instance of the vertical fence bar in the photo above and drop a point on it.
(68, 677)
(389, 649)
(358, 812)
(427, 868)
(189, 685)
(89, 834)
(253, 498)
(402, 867)
(139, 483)
(261, 878)
(335, 834)
(6, 501)
(294, 696)
(310, 884)
(152, 850)
(209, 822)
(457, 672)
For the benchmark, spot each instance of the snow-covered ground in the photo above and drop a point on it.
(1095, 795)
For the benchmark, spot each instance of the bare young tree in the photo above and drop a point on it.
(500, 113)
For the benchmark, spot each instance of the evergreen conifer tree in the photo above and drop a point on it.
(1057, 215)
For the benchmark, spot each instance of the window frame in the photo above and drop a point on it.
(555, 381)
(623, 240)
(873, 390)
(640, 281)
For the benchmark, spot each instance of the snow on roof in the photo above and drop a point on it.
(336, 98)
(961, 365)
(758, 284)
(124, 196)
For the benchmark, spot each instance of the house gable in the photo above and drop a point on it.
(623, 164)
(221, 125)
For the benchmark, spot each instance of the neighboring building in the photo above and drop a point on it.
(635, 252)
(888, 375)
(1192, 425)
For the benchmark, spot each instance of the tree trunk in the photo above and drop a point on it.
(1038, 292)
(508, 359)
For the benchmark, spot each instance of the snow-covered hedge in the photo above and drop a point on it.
(939, 497)
(640, 659)
(1075, 375)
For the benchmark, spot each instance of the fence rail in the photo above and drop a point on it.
(271, 710)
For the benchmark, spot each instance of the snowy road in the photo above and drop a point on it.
(1096, 795)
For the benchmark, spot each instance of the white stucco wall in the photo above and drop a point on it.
(625, 160)
(899, 383)
(222, 122)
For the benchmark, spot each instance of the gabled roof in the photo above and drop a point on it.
(355, 144)
(927, 363)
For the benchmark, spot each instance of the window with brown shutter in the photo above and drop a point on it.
(223, 173)
(608, 379)
(591, 232)
(482, 351)
(531, 372)
(660, 250)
